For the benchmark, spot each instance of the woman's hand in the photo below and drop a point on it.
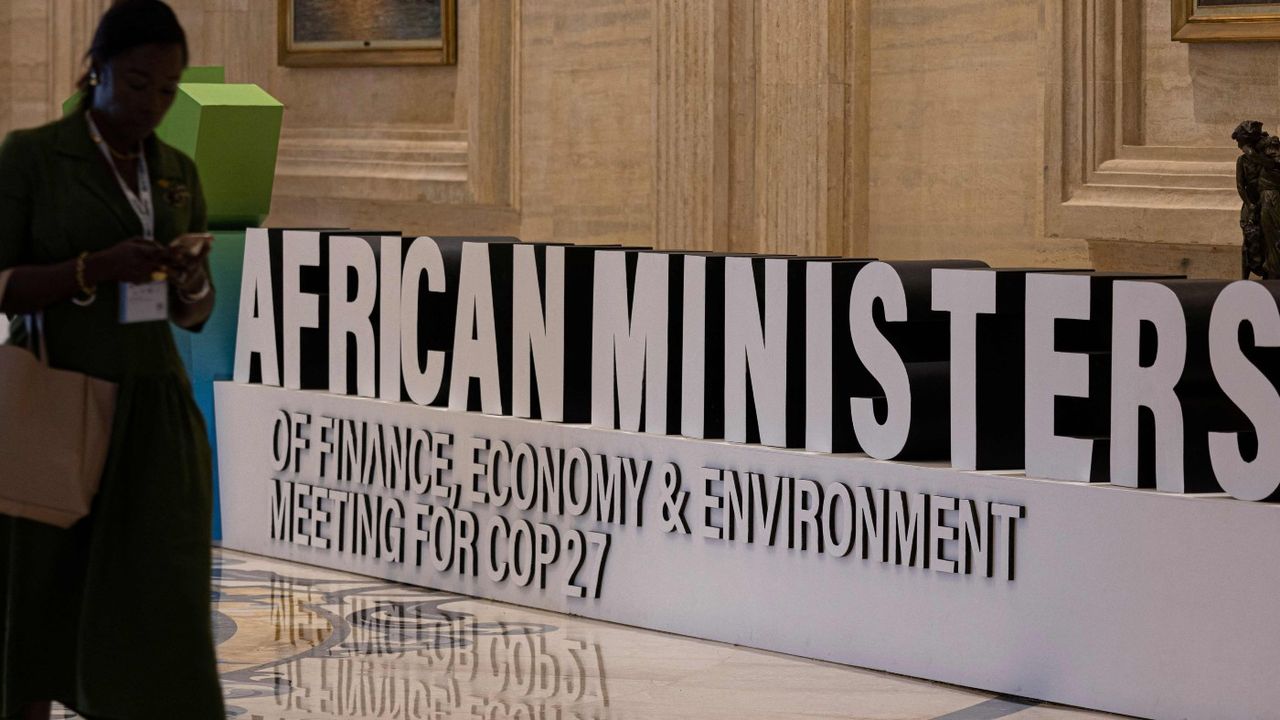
(191, 291)
(187, 256)
(134, 260)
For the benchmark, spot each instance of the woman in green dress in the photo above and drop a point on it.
(112, 616)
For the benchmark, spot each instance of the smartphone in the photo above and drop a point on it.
(192, 243)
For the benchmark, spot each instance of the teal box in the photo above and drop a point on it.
(210, 354)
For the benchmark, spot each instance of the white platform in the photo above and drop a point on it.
(1122, 600)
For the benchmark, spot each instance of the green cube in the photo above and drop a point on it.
(204, 74)
(233, 134)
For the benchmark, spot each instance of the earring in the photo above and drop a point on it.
(93, 78)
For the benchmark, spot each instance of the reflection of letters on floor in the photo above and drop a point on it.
(293, 638)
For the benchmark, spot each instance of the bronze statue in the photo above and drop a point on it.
(1269, 204)
(1258, 254)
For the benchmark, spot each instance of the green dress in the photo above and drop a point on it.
(112, 616)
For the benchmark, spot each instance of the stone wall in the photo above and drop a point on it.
(6, 52)
(1195, 94)
(957, 132)
(42, 44)
(1022, 132)
(1138, 153)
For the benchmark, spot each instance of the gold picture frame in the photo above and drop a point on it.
(331, 46)
(1225, 21)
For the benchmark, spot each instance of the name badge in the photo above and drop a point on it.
(144, 302)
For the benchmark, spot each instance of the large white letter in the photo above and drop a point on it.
(879, 281)
(256, 327)
(965, 294)
(818, 359)
(421, 380)
(693, 364)
(475, 339)
(537, 333)
(390, 251)
(352, 316)
(1051, 373)
(301, 310)
(630, 347)
(762, 349)
(1247, 387)
(1134, 386)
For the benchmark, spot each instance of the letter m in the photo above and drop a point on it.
(629, 342)
(907, 530)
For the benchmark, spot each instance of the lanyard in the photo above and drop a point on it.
(140, 201)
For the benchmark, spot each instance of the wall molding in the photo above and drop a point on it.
(1113, 188)
(470, 168)
(398, 163)
(760, 120)
(690, 113)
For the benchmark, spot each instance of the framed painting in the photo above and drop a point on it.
(329, 33)
(1226, 20)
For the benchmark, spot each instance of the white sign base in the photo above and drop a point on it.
(1122, 600)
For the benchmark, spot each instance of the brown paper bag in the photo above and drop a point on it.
(55, 429)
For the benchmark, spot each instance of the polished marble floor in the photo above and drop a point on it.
(301, 643)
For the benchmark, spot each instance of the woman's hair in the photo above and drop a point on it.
(126, 25)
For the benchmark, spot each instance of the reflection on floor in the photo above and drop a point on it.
(299, 643)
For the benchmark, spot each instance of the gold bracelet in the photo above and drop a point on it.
(88, 293)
